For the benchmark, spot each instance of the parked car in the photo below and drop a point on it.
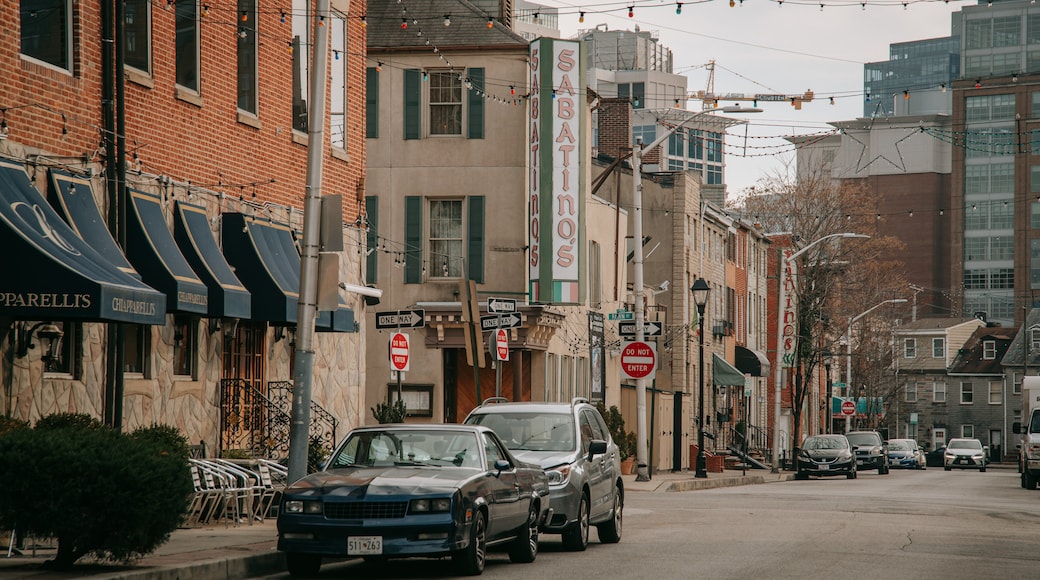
(825, 455)
(571, 442)
(870, 450)
(905, 454)
(964, 453)
(406, 490)
(934, 458)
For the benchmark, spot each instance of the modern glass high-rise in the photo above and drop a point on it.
(911, 66)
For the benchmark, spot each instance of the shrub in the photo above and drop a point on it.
(100, 492)
(389, 412)
(625, 440)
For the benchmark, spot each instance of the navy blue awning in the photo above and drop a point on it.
(73, 198)
(52, 273)
(151, 249)
(266, 261)
(227, 296)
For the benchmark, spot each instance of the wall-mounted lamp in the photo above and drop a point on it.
(229, 325)
(49, 336)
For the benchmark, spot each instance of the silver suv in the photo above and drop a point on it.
(571, 442)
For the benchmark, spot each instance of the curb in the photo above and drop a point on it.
(698, 484)
(228, 568)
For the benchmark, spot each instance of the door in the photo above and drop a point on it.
(938, 438)
(245, 421)
(506, 509)
(995, 448)
(597, 471)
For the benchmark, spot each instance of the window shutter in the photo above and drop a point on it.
(413, 239)
(475, 121)
(475, 239)
(412, 102)
(371, 103)
(372, 211)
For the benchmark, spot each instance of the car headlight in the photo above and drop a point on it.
(559, 475)
(949, 455)
(299, 506)
(437, 505)
(978, 456)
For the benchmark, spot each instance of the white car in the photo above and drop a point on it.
(964, 453)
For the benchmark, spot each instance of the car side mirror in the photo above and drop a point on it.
(855, 447)
(501, 465)
(597, 447)
(1016, 428)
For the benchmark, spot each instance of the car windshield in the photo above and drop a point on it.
(965, 444)
(898, 446)
(388, 447)
(525, 431)
(825, 443)
(863, 439)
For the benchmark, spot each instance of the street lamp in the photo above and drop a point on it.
(700, 291)
(642, 473)
(778, 376)
(848, 349)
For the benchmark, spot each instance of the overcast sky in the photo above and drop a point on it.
(766, 46)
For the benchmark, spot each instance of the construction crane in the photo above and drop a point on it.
(710, 99)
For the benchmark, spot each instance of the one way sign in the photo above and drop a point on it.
(649, 328)
(500, 321)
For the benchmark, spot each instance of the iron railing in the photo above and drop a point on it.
(323, 424)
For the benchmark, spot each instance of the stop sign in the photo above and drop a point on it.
(848, 407)
(501, 344)
(399, 357)
(638, 360)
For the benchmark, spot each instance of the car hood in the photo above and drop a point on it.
(827, 453)
(900, 453)
(364, 481)
(544, 459)
(964, 452)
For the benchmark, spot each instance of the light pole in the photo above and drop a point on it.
(781, 323)
(642, 472)
(848, 348)
(700, 291)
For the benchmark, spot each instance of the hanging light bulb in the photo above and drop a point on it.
(491, 23)
(906, 95)
(364, 21)
(631, 11)
(978, 83)
(283, 17)
(379, 66)
(404, 24)
(447, 19)
(678, 7)
(942, 87)
(581, 16)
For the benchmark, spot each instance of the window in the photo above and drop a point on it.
(939, 393)
(455, 246)
(445, 103)
(247, 67)
(967, 394)
(446, 238)
(1016, 384)
(550, 376)
(185, 345)
(338, 81)
(1034, 339)
(137, 33)
(46, 27)
(968, 431)
(301, 63)
(491, 449)
(371, 103)
(69, 351)
(938, 347)
(911, 392)
(595, 275)
(188, 45)
(909, 348)
(989, 349)
(136, 348)
(996, 392)
(634, 91)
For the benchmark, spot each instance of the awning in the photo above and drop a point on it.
(228, 298)
(52, 273)
(752, 362)
(152, 251)
(342, 320)
(261, 261)
(73, 198)
(723, 373)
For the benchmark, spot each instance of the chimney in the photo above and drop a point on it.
(615, 126)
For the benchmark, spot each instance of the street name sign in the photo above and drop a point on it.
(649, 328)
(413, 318)
(500, 321)
(638, 360)
(621, 315)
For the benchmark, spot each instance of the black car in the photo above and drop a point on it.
(398, 491)
(934, 458)
(825, 455)
(871, 451)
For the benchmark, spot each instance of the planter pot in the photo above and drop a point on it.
(628, 465)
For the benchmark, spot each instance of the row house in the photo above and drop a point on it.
(153, 191)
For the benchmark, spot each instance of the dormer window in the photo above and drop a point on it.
(989, 349)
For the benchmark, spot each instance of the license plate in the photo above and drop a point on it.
(364, 545)
(824, 467)
(859, 462)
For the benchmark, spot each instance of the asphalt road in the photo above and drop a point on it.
(909, 524)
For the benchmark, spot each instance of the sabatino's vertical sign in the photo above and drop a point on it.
(556, 202)
(788, 310)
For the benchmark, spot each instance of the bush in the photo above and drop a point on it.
(389, 412)
(625, 440)
(100, 492)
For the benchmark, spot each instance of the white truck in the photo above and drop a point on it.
(1029, 447)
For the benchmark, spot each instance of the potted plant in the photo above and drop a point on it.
(624, 439)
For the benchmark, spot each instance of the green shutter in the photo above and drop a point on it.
(412, 102)
(475, 120)
(371, 103)
(475, 239)
(413, 239)
(372, 211)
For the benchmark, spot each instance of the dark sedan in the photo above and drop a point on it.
(395, 491)
(826, 455)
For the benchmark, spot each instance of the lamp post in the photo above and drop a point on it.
(642, 472)
(700, 291)
(781, 322)
(848, 349)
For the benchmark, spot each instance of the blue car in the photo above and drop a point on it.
(905, 454)
(398, 491)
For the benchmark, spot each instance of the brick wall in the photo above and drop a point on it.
(615, 126)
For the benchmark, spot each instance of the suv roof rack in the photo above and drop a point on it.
(491, 400)
(578, 400)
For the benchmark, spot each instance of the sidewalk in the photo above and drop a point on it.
(248, 551)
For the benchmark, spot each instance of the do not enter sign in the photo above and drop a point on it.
(399, 357)
(638, 360)
(501, 344)
(848, 407)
